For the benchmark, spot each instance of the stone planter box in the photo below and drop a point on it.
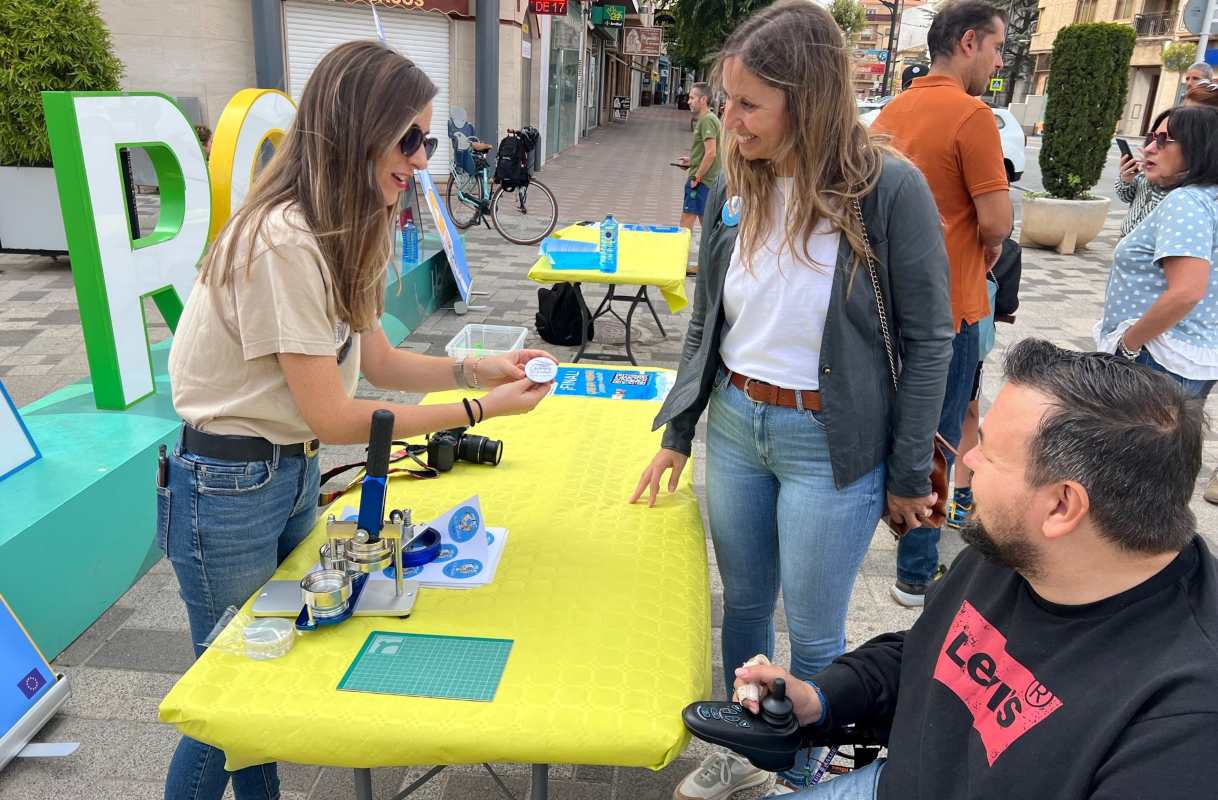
(1063, 225)
(30, 219)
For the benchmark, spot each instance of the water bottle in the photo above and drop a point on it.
(410, 243)
(608, 245)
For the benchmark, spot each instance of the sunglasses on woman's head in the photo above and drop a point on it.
(1161, 140)
(416, 138)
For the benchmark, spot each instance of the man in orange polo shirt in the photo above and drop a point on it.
(942, 126)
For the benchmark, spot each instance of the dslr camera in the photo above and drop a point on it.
(445, 448)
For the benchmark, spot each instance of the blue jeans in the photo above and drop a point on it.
(918, 550)
(777, 521)
(1191, 386)
(225, 526)
(861, 784)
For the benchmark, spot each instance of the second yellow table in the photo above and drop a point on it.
(644, 259)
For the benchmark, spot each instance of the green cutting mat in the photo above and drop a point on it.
(422, 665)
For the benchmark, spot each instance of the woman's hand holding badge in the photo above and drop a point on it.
(499, 370)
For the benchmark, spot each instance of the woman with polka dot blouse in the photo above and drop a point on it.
(1160, 307)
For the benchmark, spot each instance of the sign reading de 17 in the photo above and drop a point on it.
(556, 7)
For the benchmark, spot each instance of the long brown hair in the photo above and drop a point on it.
(795, 46)
(359, 102)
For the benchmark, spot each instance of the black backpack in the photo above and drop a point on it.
(1007, 271)
(512, 163)
(559, 314)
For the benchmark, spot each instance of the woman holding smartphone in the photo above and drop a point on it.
(271, 344)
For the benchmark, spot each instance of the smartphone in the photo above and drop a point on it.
(1123, 146)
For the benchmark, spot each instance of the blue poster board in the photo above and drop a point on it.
(612, 384)
(25, 675)
(454, 247)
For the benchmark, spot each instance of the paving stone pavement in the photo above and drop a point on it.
(131, 656)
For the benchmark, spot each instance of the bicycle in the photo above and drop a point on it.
(523, 215)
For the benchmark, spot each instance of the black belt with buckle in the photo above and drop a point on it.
(240, 448)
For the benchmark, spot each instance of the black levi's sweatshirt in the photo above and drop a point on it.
(997, 693)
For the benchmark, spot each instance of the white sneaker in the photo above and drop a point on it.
(721, 775)
(781, 788)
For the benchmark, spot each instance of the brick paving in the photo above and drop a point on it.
(125, 662)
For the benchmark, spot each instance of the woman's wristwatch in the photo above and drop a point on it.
(1124, 351)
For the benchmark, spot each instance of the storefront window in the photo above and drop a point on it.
(563, 80)
(591, 90)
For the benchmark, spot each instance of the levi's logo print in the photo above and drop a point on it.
(1004, 697)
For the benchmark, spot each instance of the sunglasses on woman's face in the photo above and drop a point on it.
(416, 138)
(1161, 140)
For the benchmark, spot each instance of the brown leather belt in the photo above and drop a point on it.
(762, 392)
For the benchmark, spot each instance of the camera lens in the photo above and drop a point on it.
(480, 450)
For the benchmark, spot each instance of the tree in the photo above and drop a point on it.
(1178, 57)
(1086, 90)
(849, 16)
(47, 45)
(1020, 25)
(703, 25)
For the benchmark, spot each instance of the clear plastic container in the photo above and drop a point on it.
(269, 638)
(486, 340)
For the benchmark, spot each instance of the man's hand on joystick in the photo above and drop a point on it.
(798, 696)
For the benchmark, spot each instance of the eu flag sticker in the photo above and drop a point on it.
(31, 683)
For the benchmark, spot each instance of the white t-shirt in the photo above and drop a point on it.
(776, 309)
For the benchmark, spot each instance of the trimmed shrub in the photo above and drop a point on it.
(47, 45)
(1087, 86)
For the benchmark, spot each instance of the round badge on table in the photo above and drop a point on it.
(463, 568)
(541, 370)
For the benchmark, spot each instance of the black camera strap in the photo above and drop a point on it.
(406, 451)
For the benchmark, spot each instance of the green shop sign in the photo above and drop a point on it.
(609, 16)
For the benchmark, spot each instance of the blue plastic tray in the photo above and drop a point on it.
(567, 254)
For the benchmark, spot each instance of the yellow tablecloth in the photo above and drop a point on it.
(643, 259)
(608, 605)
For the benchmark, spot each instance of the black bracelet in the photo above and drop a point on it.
(469, 411)
(481, 411)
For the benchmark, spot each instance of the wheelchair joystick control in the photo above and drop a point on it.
(769, 740)
(777, 708)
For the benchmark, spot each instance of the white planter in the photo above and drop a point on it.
(1061, 224)
(30, 218)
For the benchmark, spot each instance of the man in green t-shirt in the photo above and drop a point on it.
(703, 160)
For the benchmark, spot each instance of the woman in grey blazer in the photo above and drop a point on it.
(807, 442)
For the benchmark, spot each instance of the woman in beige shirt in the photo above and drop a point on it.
(267, 355)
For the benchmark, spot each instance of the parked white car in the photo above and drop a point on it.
(1014, 141)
